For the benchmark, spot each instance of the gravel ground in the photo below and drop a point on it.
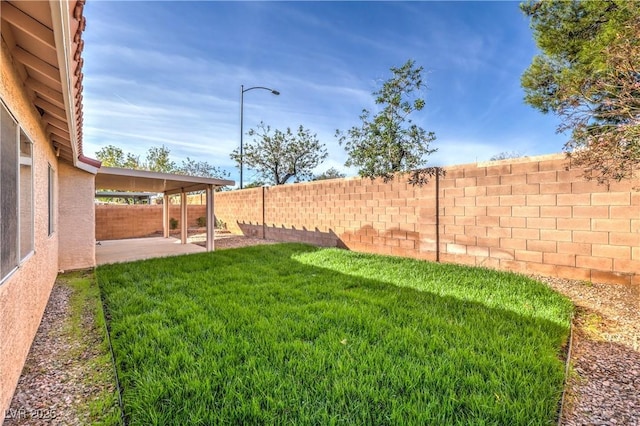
(225, 240)
(603, 387)
(53, 388)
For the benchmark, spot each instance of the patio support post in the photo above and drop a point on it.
(165, 216)
(183, 217)
(211, 220)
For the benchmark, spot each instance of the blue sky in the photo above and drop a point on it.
(170, 72)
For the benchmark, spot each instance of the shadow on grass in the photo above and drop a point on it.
(256, 336)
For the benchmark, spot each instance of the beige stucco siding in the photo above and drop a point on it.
(24, 295)
(76, 218)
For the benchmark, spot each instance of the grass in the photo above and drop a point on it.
(291, 334)
(86, 325)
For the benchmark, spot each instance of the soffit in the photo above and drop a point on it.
(55, 88)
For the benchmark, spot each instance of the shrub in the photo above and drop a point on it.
(201, 221)
(173, 223)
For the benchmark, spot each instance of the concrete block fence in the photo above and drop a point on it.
(114, 222)
(528, 215)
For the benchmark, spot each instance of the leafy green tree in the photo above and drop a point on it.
(201, 168)
(389, 142)
(111, 156)
(589, 75)
(280, 156)
(132, 162)
(158, 160)
(331, 173)
(255, 184)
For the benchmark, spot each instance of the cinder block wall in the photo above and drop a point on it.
(241, 211)
(114, 222)
(527, 215)
(535, 216)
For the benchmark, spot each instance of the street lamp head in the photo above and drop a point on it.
(275, 92)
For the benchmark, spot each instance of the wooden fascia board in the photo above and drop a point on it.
(61, 20)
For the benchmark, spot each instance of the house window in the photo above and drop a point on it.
(16, 194)
(26, 196)
(52, 181)
(9, 242)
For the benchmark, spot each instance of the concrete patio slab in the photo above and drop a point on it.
(116, 251)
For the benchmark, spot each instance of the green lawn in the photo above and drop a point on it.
(293, 334)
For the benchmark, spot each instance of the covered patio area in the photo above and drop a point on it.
(132, 249)
(129, 250)
(118, 179)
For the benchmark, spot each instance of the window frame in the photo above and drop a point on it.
(51, 176)
(16, 244)
(32, 218)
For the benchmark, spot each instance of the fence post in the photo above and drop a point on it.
(264, 224)
(437, 214)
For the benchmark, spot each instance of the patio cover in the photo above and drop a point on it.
(136, 196)
(118, 179)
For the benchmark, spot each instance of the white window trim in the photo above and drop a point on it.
(51, 198)
(27, 161)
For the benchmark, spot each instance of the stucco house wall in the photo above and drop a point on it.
(76, 218)
(24, 294)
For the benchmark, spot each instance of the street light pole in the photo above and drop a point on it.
(241, 131)
(242, 90)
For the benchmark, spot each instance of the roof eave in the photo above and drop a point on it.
(87, 164)
(60, 17)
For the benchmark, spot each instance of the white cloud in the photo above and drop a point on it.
(144, 88)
